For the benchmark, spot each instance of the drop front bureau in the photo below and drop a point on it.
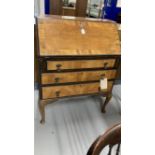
(74, 55)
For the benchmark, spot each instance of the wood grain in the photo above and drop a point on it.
(50, 78)
(60, 36)
(71, 90)
(78, 64)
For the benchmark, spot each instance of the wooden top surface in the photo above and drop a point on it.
(65, 36)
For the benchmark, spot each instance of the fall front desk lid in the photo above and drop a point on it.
(70, 36)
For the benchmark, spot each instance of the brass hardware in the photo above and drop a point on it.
(105, 65)
(57, 93)
(99, 89)
(58, 67)
(57, 79)
(102, 76)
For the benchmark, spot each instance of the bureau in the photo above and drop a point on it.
(74, 55)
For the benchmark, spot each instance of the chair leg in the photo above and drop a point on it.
(108, 98)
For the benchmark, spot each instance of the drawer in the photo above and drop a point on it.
(51, 78)
(79, 64)
(72, 90)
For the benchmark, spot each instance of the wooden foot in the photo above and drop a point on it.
(108, 98)
(42, 121)
(42, 104)
(42, 111)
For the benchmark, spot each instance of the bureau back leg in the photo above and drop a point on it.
(108, 98)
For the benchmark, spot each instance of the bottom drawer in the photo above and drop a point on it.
(72, 90)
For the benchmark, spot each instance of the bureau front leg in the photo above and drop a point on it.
(108, 98)
(42, 111)
(42, 104)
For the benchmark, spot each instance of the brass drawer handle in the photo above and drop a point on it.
(57, 80)
(58, 67)
(57, 93)
(105, 65)
(102, 76)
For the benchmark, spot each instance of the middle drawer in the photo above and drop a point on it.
(53, 78)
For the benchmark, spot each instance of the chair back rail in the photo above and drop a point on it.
(110, 138)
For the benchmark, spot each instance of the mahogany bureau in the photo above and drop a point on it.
(74, 54)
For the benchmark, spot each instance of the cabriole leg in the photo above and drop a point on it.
(42, 104)
(108, 98)
(42, 111)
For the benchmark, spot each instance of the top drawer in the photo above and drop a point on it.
(79, 64)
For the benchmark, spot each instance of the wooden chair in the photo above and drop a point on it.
(110, 138)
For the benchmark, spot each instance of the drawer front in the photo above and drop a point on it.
(72, 90)
(79, 64)
(52, 78)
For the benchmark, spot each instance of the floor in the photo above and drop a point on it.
(73, 124)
